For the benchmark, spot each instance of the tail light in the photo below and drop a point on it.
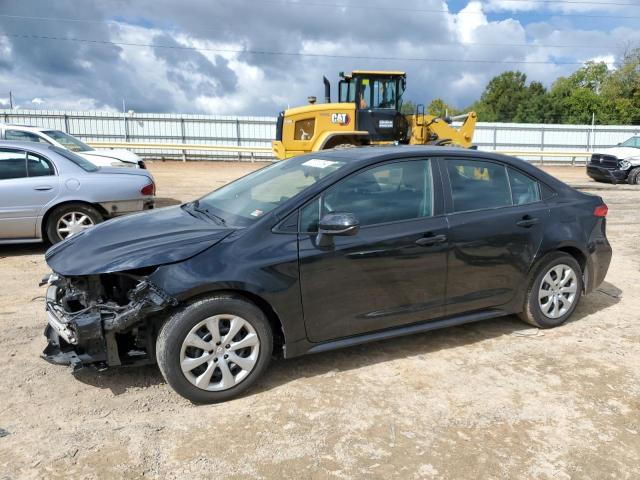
(148, 189)
(601, 211)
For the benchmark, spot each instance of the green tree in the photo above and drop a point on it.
(621, 91)
(501, 98)
(576, 98)
(408, 108)
(533, 107)
(440, 108)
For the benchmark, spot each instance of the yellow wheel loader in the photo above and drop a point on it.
(367, 113)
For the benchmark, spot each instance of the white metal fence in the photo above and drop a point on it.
(250, 131)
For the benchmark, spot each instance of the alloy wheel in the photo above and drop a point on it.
(557, 291)
(73, 222)
(219, 352)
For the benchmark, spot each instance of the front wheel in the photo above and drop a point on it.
(554, 291)
(214, 349)
(634, 176)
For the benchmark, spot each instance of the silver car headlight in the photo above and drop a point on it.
(624, 164)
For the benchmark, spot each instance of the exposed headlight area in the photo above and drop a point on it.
(102, 319)
(624, 164)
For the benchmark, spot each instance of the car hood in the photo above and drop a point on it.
(147, 239)
(619, 152)
(116, 154)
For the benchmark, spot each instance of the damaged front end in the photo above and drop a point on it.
(103, 320)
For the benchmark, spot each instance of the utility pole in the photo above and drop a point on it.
(10, 100)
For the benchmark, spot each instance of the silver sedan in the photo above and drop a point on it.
(49, 193)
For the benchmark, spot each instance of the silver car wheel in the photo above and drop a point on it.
(73, 222)
(219, 352)
(557, 291)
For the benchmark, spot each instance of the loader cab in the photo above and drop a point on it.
(378, 99)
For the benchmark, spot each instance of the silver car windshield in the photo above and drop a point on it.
(247, 199)
(67, 141)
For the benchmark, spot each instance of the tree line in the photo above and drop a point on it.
(612, 95)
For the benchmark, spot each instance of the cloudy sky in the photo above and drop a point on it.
(258, 56)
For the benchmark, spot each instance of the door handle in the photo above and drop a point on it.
(431, 240)
(527, 222)
(43, 188)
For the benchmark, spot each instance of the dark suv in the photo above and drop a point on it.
(319, 252)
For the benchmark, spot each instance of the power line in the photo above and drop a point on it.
(290, 54)
(397, 9)
(580, 2)
(422, 10)
(466, 44)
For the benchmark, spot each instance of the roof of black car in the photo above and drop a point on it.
(376, 152)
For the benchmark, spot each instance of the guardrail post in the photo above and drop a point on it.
(66, 123)
(573, 161)
(184, 139)
(238, 138)
(126, 127)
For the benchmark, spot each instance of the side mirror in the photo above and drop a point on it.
(336, 224)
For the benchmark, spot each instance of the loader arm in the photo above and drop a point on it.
(427, 129)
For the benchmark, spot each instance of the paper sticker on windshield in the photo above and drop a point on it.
(256, 213)
(316, 162)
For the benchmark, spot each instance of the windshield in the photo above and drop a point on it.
(632, 142)
(86, 165)
(247, 199)
(67, 141)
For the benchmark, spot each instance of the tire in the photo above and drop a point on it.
(341, 146)
(634, 176)
(537, 311)
(175, 346)
(88, 214)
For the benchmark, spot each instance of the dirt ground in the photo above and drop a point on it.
(495, 399)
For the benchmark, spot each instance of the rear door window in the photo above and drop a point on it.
(38, 166)
(13, 164)
(478, 185)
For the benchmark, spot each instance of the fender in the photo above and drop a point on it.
(325, 137)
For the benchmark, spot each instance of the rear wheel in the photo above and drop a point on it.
(215, 348)
(344, 145)
(634, 176)
(554, 291)
(71, 219)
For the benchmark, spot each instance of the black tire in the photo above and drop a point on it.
(341, 146)
(634, 176)
(175, 330)
(532, 312)
(59, 212)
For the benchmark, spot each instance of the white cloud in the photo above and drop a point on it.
(38, 101)
(609, 60)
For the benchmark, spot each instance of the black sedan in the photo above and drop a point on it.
(320, 252)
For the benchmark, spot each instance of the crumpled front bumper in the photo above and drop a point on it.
(102, 334)
(78, 342)
(602, 174)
